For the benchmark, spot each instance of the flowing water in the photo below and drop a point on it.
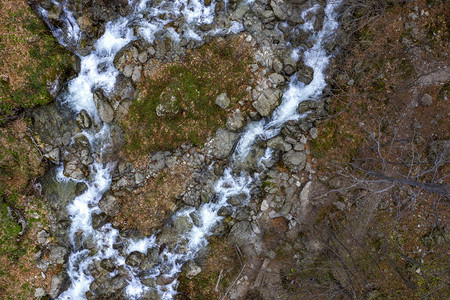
(97, 71)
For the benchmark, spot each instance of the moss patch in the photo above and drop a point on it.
(30, 59)
(221, 66)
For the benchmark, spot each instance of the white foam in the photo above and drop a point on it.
(97, 71)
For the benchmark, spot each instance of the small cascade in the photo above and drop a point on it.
(147, 20)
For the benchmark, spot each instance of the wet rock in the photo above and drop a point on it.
(294, 160)
(171, 235)
(305, 106)
(149, 282)
(224, 211)
(191, 269)
(238, 199)
(267, 102)
(289, 69)
(236, 121)
(126, 57)
(51, 124)
(165, 280)
(222, 144)
(108, 265)
(59, 283)
(305, 74)
(105, 110)
(135, 259)
(278, 143)
(83, 119)
(53, 156)
(98, 220)
(276, 78)
(108, 287)
(109, 205)
(223, 101)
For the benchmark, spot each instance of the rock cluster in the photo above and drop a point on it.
(274, 31)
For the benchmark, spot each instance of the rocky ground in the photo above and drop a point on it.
(352, 205)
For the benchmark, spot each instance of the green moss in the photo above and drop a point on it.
(48, 62)
(195, 84)
(9, 231)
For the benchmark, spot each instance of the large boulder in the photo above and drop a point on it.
(236, 121)
(242, 234)
(105, 110)
(109, 205)
(223, 143)
(267, 102)
(294, 160)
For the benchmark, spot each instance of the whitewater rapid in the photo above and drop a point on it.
(144, 22)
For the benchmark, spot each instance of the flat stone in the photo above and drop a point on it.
(426, 100)
(223, 101)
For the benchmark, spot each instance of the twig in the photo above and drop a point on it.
(239, 254)
(218, 280)
(231, 286)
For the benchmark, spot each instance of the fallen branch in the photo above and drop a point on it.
(232, 284)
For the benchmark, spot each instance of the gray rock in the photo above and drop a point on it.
(83, 119)
(109, 205)
(305, 74)
(276, 78)
(39, 293)
(105, 110)
(136, 76)
(426, 100)
(267, 102)
(98, 220)
(128, 70)
(224, 211)
(59, 283)
(242, 234)
(314, 132)
(295, 161)
(191, 269)
(278, 143)
(58, 254)
(168, 104)
(135, 259)
(143, 56)
(304, 195)
(223, 101)
(236, 121)
(108, 265)
(53, 156)
(237, 200)
(223, 143)
(139, 178)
